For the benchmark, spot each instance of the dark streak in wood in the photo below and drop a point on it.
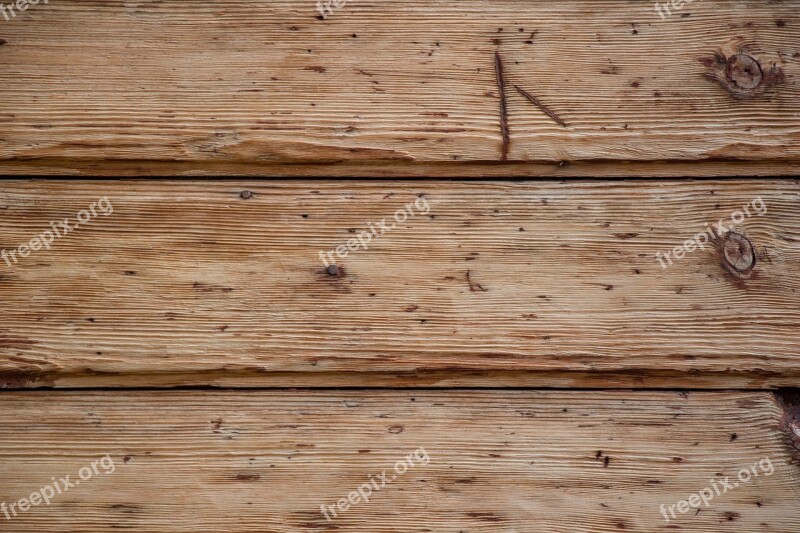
(501, 86)
(543, 108)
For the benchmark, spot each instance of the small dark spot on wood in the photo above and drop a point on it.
(247, 476)
(333, 270)
(634, 84)
(2, 42)
(125, 508)
(246, 195)
(731, 516)
(205, 287)
(396, 429)
(316, 68)
(127, 459)
(780, 23)
(606, 461)
(129, 273)
(488, 517)
(624, 236)
(734, 436)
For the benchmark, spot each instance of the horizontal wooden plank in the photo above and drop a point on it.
(407, 87)
(229, 462)
(527, 283)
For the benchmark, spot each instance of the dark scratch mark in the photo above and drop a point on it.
(501, 85)
(543, 108)
(474, 286)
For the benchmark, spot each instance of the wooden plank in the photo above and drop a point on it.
(229, 462)
(528, 283)
(408, 87)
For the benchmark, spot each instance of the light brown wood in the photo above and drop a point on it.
(546, 284)
(232, 462)
(400, 88)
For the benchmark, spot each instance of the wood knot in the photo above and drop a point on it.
(740, 256)
(744, 71)
(741, 74)
(246, 195)
(789, 401)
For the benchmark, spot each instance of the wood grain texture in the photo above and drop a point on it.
(230, 462)
(400, 88)
(528, 283)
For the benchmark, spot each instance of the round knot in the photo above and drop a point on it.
(744, 71)
(739, 252)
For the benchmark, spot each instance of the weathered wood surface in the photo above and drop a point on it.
(200, 461)
(405, 87)
(545, 283)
